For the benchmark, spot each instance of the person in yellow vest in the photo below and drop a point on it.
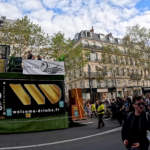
(93, 110)
(100, 112)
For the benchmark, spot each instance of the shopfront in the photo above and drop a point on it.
(146, 90)
(103, 93)
(137, 90)
(128, 91)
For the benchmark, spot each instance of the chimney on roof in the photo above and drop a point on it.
(92, 30)
(3, 17)
(110, 34)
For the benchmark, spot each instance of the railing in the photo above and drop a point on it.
(135, 76)
(93, 59)
(111, 85)
(147, 77)
(95, 74)
(92, 46)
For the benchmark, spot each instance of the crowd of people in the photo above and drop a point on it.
(134, 111)
(115, 108)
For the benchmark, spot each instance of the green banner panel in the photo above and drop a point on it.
(33, 124)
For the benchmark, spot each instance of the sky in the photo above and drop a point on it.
(73, 16)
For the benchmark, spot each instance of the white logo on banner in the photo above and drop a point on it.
(43, 67)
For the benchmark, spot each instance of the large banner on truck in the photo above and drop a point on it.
(38, 67)
(24, 98)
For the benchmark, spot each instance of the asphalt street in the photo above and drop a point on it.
(76, 137)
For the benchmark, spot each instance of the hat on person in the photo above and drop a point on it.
(102, 101)
(29, 51)
(38, 55)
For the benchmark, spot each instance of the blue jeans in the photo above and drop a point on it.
(133, 149)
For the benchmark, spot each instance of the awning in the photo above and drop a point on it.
(102, 90)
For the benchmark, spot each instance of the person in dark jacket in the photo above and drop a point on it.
(134, 131)
(120, 108)
(29, 55)
(39, 57)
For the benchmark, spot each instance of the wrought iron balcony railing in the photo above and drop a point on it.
(147, 77)
(135, 76)
(92, 46)
(95, 74)
(93, 59)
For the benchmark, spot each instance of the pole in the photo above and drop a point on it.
(115, 81)
(89, 72)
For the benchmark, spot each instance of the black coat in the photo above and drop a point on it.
(144, 125)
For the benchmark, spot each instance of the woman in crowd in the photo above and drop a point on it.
(88, 109)
(120, 108)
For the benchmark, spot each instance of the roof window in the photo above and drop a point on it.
(119, 41)
(111, 39)
(102, 37)
(88, 34)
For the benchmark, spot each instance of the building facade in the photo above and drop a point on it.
(129, 79)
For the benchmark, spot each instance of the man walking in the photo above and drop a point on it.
(134, 131)
(100, 112)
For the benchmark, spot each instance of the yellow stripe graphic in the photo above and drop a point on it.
(22, 95)
(52, 92)
(32, 89)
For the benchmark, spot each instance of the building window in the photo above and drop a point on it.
(119, 41)
(94, 44)
(91, 83)
(141, 72)
(113, 83)
(96, 68)
(117, 71)
(96, 57)
(76, 37)
(111, 39)
(129, 82)
(106, 83)
(131, 61)
(98, 83)
(143, 83)
(74, 74)
(75, 85)
(119, 82)
(80, 84)
(102, 37)
(70, 86)
(134, 83)
(127, 72)
(88, 34)
(125, 82)
(89, 68)
(122, 71)
(80, 71)
(104, 70)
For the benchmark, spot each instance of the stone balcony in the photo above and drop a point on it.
(135, 76)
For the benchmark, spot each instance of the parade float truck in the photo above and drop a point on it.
(33, 99)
